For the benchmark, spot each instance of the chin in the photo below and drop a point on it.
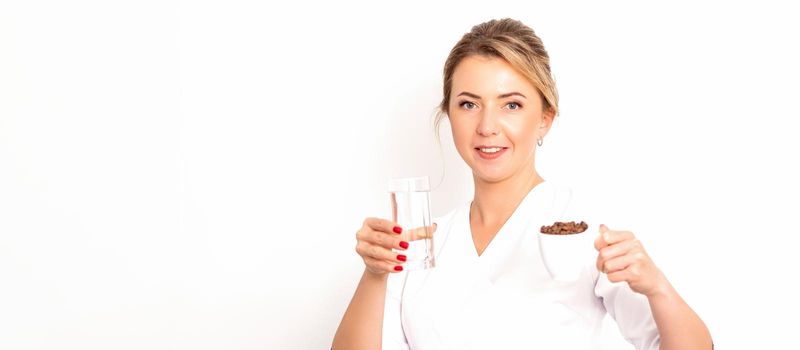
(490, 177)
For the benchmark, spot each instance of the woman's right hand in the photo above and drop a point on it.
(375, 241)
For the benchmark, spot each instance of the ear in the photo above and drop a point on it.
(548, 115)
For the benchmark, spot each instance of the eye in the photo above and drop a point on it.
(467, 105)
(514, 106)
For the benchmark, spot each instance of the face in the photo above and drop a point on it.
(496, 116)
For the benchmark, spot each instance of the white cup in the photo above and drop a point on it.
(565, 256)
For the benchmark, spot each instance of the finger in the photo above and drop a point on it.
(421, 232)
(600, 242)
(382, 239)
(380, 253)
(383, 225)
(619, 249)
(618, 276)
(630, 274)
(610, 237)
(621, 262)
(381, 265)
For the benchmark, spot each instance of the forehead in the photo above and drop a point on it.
(488, 76)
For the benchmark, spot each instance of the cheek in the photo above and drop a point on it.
(522, 131)
(461, 132)
(462, 139)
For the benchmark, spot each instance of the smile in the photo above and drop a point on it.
(490, 152)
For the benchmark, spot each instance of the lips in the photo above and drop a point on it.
(490, 152)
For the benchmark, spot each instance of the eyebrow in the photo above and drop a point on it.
(513, 93)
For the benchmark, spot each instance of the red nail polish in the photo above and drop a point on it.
(397, 229)
(398, 268)
(402, 257)
(404, 245)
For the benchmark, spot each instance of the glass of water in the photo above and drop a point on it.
(410, 199)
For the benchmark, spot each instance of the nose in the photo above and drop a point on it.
(488, 124)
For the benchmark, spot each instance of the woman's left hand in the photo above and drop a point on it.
(623, 258)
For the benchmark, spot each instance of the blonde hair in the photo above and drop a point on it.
(512, 41)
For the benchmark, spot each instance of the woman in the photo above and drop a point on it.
(490, 289)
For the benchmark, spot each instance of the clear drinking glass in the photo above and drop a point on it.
(411, 210)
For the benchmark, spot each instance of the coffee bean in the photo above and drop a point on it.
(564, 228)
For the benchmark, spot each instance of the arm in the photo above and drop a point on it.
(678, 325)
(623, 258)
(362, 323)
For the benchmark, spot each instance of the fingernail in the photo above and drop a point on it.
(606, 237)
(402, 257)
(397, 229)
(404, 245)
(398, 268)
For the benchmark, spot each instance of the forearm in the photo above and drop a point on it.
(362, 323)
(679, 327)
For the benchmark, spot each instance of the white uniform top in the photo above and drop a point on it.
(505, 298)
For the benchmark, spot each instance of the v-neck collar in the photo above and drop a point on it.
(517, 222)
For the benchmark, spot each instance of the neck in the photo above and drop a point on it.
(494, 202)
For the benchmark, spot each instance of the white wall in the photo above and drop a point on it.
(191, 175)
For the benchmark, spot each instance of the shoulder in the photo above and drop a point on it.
(556, 196)
(571, 202)
(447, 219)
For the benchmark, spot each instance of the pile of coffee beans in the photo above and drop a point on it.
(565, 228)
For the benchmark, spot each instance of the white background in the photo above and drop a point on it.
(190, 175)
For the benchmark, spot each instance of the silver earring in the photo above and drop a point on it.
(539, 142)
